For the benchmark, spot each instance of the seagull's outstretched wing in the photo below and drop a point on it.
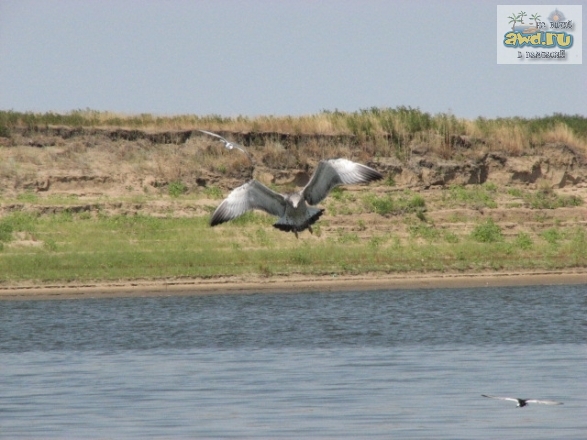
(513, 399)
(226, 142)
(544, 402)
(229, 145)
(334, 172)
(251, 195)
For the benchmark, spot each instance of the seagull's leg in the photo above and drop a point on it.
(296, 232)
(310, 229)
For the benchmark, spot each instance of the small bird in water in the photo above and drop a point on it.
(292, 209)
(524, 402)
(230, 145)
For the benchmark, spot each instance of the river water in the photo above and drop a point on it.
(376, 364)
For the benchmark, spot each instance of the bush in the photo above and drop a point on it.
(213, 192)
(4, 131)
(177, 188)
(390, 181)
(5, 231)
(487, 232)
(380, 205)
(451, 237)
(50, 245)
(523, 241)
(546, 198)
(424, 231)
(479, 196)
(552, 235)
(385, 205)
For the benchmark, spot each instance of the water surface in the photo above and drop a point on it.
(378, 364)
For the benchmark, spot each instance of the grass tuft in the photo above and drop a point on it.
(487, 232)
(177, 188)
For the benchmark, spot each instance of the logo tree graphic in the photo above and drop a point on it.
(513, 19)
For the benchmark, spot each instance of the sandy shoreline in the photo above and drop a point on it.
(294, 283)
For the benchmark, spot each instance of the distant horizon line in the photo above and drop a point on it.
(130, 114)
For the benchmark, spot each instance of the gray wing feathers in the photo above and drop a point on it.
(251, 195)
(500, 398)
(334, 172)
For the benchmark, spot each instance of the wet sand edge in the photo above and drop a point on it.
(289, 284)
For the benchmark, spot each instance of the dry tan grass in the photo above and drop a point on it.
(513, 140)
(361, 135)
(561, 133)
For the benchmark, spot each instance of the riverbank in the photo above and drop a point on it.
(290, 284)
(85, 206)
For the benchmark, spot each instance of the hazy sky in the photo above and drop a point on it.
(261, 57)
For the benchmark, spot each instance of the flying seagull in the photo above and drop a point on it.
(230, 145)
(292, 209)
(523, 402)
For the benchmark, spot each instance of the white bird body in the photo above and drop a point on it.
(294, 210)
(524, 402)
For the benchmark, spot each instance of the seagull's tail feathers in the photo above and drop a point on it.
(290, 225)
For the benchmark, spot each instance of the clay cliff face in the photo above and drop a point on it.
(118, 161)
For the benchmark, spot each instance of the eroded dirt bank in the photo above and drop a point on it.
(119, 162)
(129, 171)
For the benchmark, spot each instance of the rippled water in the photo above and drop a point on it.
(380, 364)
